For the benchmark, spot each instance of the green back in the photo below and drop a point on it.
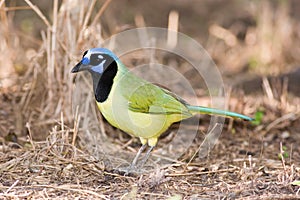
(145, 97)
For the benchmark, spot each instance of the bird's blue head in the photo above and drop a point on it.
(103, 66)
(96, 60)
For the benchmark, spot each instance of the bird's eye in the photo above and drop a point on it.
(96, 59)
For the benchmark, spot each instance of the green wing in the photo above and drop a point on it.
(149, 98)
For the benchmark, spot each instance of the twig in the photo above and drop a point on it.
(39, 13)
(15, 8)
(201, 173)
(173, 29)
(65, 187)
(224, 34)
(282, 158)
(101, 11)
(85, 22)
(267, 88)
(76, 125)
(30, 136)
(209, 140)
(12, 186)
(1, 3)
(281, 119)
(4, 22)
(51, 76)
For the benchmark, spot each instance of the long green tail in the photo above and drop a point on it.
(213, 111)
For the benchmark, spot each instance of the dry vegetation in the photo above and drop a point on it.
(51, 150)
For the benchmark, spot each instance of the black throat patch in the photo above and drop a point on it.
(106, 80)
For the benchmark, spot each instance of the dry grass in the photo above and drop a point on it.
(51, 150)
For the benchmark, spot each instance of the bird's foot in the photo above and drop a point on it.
(129, 171)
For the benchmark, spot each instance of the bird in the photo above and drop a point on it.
(134, 105)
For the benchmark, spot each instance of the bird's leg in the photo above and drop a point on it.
(151, 142)
(146, 156)
(133, 164)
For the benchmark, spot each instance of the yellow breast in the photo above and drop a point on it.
(134, 123)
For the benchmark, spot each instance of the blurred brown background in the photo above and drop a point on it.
(256, 46)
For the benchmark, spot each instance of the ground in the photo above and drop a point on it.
(50, 150)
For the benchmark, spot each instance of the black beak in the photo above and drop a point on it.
(77, 68)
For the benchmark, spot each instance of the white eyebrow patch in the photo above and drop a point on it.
(99, 56)
(88, 55)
